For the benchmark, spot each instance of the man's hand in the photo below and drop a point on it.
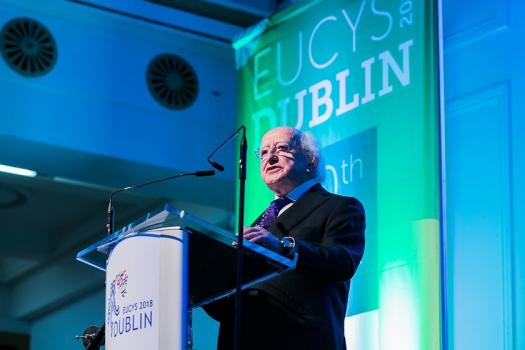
(263, 237)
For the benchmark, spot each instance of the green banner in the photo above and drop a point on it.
(362, 77)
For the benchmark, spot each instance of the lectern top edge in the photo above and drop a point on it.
(97, 253)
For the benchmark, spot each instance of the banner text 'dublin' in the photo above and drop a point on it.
(343, 83)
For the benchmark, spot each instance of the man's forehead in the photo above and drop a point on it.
(277, 135)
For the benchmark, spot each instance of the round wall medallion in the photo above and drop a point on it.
(28, 47)
(172, 81)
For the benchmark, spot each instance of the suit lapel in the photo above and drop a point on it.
(303, 207)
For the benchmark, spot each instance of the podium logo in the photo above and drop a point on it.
(121, 280)
(125, 316)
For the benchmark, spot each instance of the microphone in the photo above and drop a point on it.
(111, 213)
(98, 340)
(217, 166)
(93, 337)
(232, 136)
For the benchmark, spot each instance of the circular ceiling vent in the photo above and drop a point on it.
(28, 47)
(172, 81)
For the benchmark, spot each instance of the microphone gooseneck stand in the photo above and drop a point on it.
(240, 246)
(240, 226)
(224, 143)
(93, 341)
(111, 210)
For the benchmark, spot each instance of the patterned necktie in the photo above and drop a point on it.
(271, 213)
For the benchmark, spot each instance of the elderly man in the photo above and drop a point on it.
(305, 308)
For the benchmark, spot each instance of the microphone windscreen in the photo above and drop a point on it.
(217, 166)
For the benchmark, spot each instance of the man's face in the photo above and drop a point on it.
(283, 165)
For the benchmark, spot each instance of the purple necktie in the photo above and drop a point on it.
(271, 213)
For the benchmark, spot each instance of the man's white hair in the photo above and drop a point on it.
(307, 143)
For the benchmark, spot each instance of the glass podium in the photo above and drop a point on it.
(212, 257)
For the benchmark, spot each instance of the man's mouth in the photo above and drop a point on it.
(272, 168)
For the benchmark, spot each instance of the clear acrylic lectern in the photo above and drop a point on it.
(162, 265)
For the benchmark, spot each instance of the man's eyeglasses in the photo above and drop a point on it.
(282, 148)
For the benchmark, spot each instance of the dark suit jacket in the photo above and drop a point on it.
(304, 308)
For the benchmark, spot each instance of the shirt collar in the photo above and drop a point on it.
(297, 192)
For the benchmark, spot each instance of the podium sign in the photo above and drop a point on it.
(146, 299)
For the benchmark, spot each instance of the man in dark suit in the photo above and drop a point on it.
(305, 308)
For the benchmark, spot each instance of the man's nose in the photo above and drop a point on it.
(273, 159)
